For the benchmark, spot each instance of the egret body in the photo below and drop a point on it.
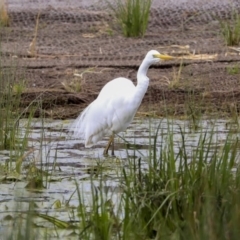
(116, 105)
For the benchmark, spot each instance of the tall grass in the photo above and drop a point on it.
(12, 138)
(9, 103)
(186, 195)
(188, 192)
(230, 30)
(132, 15)
(183, 194)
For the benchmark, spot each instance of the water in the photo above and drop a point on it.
(52, 149)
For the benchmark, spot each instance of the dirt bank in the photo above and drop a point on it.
(78, 52)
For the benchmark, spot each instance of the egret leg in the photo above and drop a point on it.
(111, 139)
(113, 144)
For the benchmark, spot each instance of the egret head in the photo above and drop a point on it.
(154, 56)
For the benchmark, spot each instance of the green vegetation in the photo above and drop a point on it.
(13, 138)
(186, 195)
(230, 30)
(180, 193)
(9, 106)
(193, 111)
(232, 70)
(132, 16)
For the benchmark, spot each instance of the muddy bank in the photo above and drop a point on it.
(75, 56)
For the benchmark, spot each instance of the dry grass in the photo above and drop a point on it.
(4, 18)
(32, 46)
(176, 76)
(77, 80)
(184, 52)
(207, 57)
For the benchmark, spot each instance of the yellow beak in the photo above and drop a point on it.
(163, 56)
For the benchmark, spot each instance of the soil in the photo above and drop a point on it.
(76, 53)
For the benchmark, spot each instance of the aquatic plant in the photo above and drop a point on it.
(183, 192)
(10, 109)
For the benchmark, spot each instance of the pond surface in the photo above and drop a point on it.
(52, 149)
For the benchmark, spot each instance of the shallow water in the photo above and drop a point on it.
(52, 149)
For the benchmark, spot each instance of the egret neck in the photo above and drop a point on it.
(142, 82)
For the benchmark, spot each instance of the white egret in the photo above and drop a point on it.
(116, 105)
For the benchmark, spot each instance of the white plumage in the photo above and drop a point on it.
(116, 105)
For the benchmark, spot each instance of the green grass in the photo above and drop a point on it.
(132, 16)
(9, 105)
(230, 30)
(181, 193)
(196, 200)
(193, 110)
(12, 138)
(233, 70)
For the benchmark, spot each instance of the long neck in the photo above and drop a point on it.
(142, 82)
(142, 71)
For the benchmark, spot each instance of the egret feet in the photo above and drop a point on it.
(110, 142)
